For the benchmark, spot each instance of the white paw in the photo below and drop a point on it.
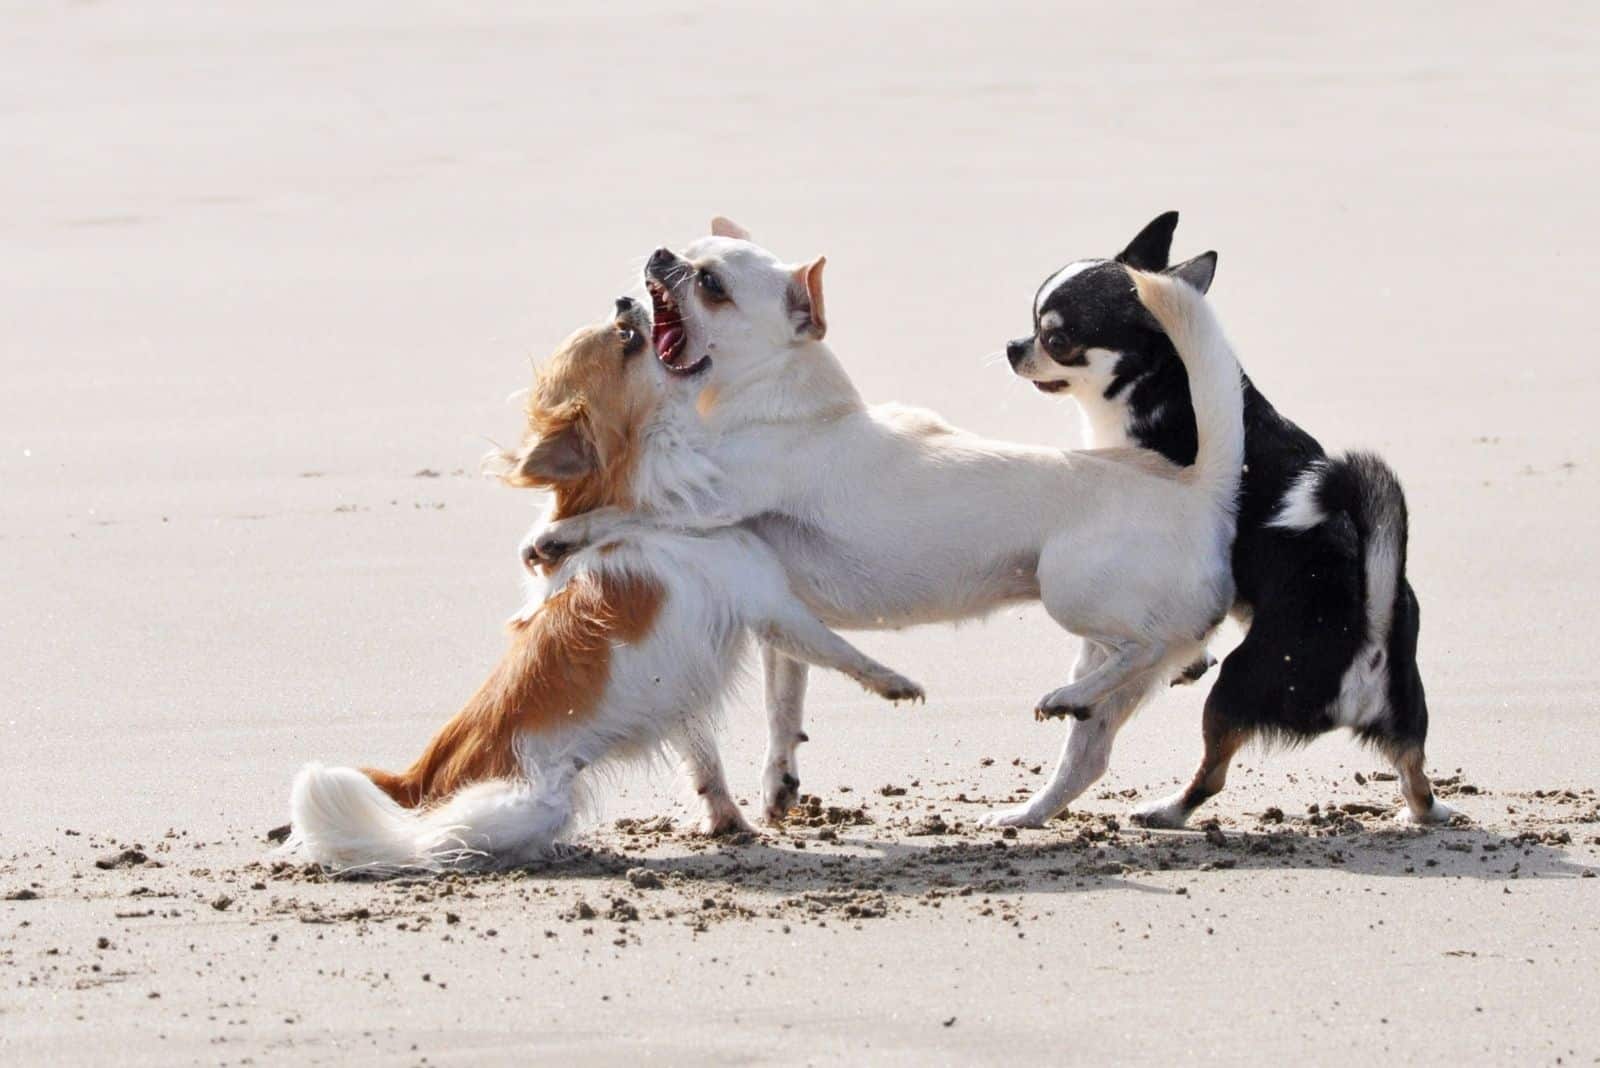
(894, 687)
(1061, 704)
(1021, 816)
(1167, 812)
(1439, 813)
(780, 790)
(723, 821)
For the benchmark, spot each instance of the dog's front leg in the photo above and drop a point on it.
(786, 697)
(792, 638)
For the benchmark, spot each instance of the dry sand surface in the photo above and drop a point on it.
(265, 280)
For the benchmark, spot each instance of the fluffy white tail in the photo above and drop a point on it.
(342, 821)
(1214, 380)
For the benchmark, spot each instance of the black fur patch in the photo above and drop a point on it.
(1151, 249)
(1305, 591)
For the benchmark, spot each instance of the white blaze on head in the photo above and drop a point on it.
(1055, 281)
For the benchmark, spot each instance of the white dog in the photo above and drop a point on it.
(887, 517)
(634, 647)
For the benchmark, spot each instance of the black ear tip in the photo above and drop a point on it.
(1162, 225)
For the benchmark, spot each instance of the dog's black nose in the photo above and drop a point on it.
(1016, 350)
(660, 260)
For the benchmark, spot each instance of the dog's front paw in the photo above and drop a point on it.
(1021, 816)
(780, 793)
(1046, 711)
(895, 687)
(551, 547)
(561, 538)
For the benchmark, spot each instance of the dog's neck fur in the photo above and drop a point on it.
(813, 387)
(1155, 412)
(664, 465)
(675, 471)
(1146, 405)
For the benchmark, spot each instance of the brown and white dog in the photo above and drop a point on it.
(634, 645)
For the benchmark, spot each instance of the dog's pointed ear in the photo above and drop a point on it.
(806, 309)
(1150, 250)
(1198, 272)
(563, 453)
(722, 226)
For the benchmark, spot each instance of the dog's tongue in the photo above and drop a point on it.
(669, 339)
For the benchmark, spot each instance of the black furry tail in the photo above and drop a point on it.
(1366, 489)
(1361, 485)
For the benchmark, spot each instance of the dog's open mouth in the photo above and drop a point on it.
(1052, 387)
(670, 336)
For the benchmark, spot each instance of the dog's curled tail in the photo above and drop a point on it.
(1215, 383)
(342, 820)
(1366, 489)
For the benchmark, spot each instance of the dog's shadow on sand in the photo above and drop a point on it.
(1091, 858)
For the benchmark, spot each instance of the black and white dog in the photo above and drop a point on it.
(1319, 558)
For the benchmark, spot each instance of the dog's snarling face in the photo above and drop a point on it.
(588, 402)
(725, 308)
(1090, 332)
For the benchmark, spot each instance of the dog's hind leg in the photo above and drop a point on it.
(702, 765)
(1421, 805)
(1084, 758)
(1223, 738)
(786, 696)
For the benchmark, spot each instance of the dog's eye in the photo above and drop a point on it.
(1055, 341)
(712, 285)
(632, 340)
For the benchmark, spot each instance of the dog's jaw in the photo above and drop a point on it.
(1045, 374)
(670, 332)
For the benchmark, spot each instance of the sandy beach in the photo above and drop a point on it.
(267, 279)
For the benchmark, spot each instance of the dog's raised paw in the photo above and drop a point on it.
(1049, 712)
(897, 688)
